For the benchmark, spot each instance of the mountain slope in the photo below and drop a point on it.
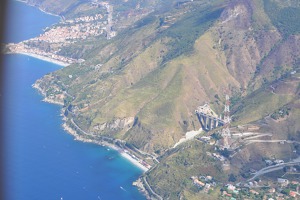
(144, 85)
(158, 72)
(147, 81)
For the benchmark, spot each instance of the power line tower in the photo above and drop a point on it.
(226, 131)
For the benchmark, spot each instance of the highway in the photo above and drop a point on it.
(275, 168)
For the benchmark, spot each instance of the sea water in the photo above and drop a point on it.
(42, 161)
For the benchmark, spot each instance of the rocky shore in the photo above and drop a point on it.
(83, 138)
(21, 48)
(46, 99)
(139, 184)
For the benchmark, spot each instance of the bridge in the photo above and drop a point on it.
(208, 119)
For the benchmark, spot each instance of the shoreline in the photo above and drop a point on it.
(133, 161)
(71, 131)
(125, 155)
(44, 58)
(40, 9)
(76, 134)
(78, 137)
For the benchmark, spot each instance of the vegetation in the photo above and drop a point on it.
(232, 178)
(176, 170)
(281, 113)
(182, 41)
(286, 19)
(162, 66)
(258, 104)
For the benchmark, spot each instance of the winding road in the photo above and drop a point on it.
(275, 168)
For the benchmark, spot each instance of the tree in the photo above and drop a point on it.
(225, 153)
(285, 191)
(232, 178)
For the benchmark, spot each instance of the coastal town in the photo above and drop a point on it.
(218, 141)
(70, 31)
(49, 45)
(67, 32)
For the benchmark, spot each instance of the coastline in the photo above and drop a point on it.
(44, 58)
(133, 161)
(78, 137)
(125, 155)
(69, 129)
(141, 187)
(75, 134)
(122, 152)
(48, 13)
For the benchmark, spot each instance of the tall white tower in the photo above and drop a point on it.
(226, 131)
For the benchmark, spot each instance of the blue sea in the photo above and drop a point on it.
(42, 161)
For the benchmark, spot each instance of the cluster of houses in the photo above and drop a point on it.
(219, 157)
(48, 44)
(273, 162)
(204, 182)
(64, 34)
(83, 19)
(230, 190)
(281, 189)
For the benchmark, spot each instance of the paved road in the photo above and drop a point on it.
(275, 168)
(271, 141)
(145, 181)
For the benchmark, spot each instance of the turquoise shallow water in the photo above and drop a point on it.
(42, 161)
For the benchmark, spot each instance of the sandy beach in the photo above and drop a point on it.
(64, 64)
(135, 162)
(72, 131)
(123, 153)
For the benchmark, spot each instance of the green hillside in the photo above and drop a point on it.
(143, 85)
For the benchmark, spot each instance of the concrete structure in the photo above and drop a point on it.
(207, 118)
